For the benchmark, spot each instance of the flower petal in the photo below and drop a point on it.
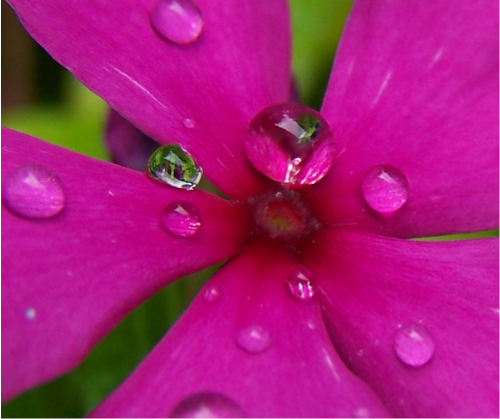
(127, 145)
(425, 101)
(68, 280)
(289, 368)
(202, 95)
(433, 303)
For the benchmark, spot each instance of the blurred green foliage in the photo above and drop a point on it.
(77, 123)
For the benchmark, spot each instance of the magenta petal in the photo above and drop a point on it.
(202, 94)
(416, 87)
(417, 321)
(71, 272)
(245, 347)
(127, 145)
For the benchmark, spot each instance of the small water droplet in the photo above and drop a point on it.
(207, 405)
(178, 21)
(33, 191)
(212, 294)
(171, 164)
(254, 339)
(361, 412)
(30, 313)
(414, 345)
(290, 143)
(385, 189)
(188, 123)
(299, 284)
(181, 219)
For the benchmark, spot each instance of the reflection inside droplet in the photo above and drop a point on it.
(290, 143)
(172, 165)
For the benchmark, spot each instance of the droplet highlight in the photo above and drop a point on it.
(178, 21)
(414, 345)
(207, 405)
(172, 165)
(30, 313)
(290, 143)
(212, 294)
(300, 285)
(188, 123)
(254, 339)
(385, 189)
(33, 191)
(181, 219)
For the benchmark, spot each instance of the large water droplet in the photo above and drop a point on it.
(299, 284)
(178, 21)
(181, 219)
(173, 165)
(414, 345)
(212, 294)
(385, 188)
(207, 405)
(290, 143)
(33, 191)
(254, 339)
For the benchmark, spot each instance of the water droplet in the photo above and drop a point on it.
(188, 123)
(414, 345)
(361, 412)
(30, 313)
(181, 219)
(299, 284)
(212, 294)
(173, 165)
(254, 339)
(33, 191)
(290, 143)
(385, 188)
(178, 21)
(207, 405)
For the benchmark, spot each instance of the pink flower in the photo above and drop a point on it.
(325, 308)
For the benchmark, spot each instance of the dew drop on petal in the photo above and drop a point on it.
(181, 219)
(172, 165)
(299, 284)
(178, 21)
(361, 412)
(254, 339)
(212, 294)
(188, 123)
(290, 143)
(414, 345)
(207, 405)
(30, 313)
(33, 191)
(385, 188)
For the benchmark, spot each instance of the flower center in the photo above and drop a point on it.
(282, 215)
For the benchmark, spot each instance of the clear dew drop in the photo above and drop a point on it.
(181, 219)
(385, 189)
(207, 405)
(290, 143)
(212, 294)
(299, 284)
(188, 123)
(414, 345)
(30, 313)
(172, 165)
(33, 191)
(177, 21)
(254, 339)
